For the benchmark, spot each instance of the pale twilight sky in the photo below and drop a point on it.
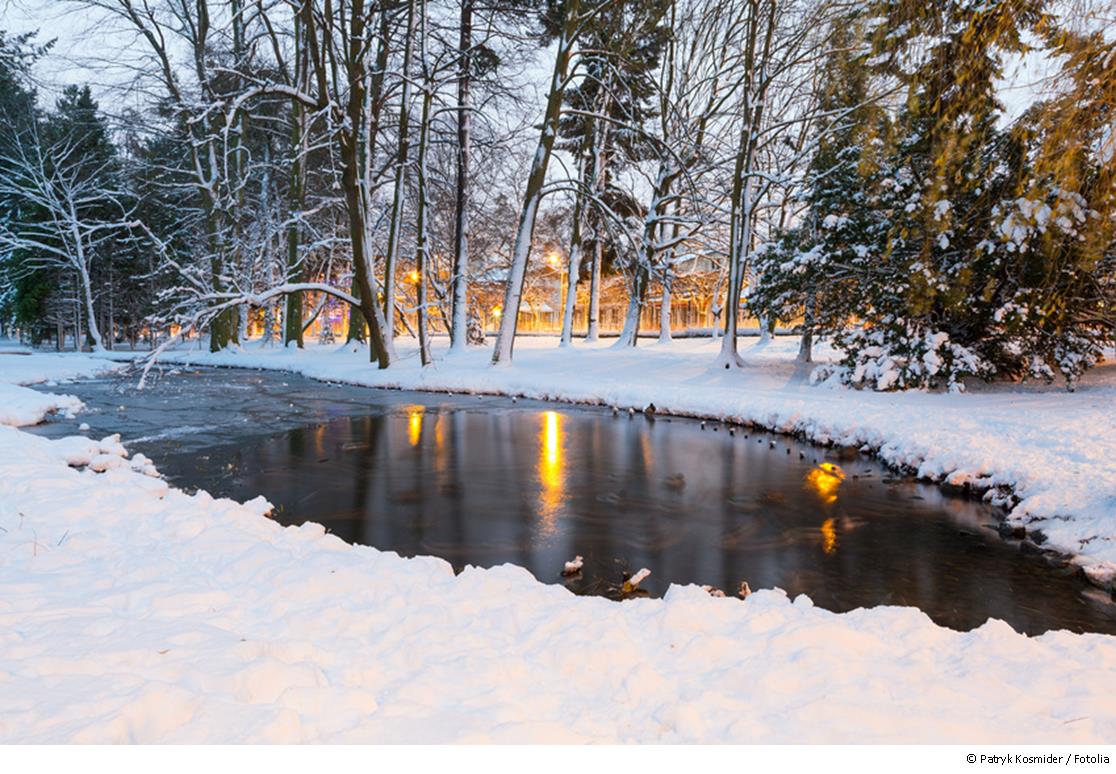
(87, 48)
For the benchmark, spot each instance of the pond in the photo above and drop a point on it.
(489, 480)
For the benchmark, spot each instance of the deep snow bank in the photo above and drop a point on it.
(20, 406)
(130, 611)
(1049, 455)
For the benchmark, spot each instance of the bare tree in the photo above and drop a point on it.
(570, 24)
(72, 218)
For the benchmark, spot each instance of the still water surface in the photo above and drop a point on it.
(486, 480)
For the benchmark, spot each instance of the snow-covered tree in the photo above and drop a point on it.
(65, 210)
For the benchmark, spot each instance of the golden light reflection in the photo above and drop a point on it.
(550, 470)
(825, 480)
(497, 311)
(414, 425)
(645, 450)
(829, 536)
(441, 458)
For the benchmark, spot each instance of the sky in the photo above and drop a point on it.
(91, 50)
(54, 19)
(87, 49)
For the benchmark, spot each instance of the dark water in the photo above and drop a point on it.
(486, 481)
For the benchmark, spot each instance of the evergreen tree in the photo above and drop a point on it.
(811, 268)
(941, 299)
(22, 294)
(66, 216)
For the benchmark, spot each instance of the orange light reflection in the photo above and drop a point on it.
(825, 480)
(829, 536)
(414, 425)
(551, 473)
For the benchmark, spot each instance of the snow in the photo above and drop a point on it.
(640, 576)
(573, 567)
(134, 612)
(20, 406)
(1048, 454)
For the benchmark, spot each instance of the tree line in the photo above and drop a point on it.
(845, 167)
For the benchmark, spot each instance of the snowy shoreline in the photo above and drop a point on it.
(132, 611)
(1002, 499)
(180, 618)
(988, 444)
(1048, 522)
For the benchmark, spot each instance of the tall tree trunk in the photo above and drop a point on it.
(398, 199)
(573, 265)
(422, 241)
(664, 306)
(532, 196)
(78, 338)
(85, 287)
(459, 333)
(292, 317)
(349, 151)
(111, 326)
(238, 137)
(629, 333)
(806, 344)
(593, 328)
(645, 258)
(743, 204)
(739, 238)
(98, 344)
(668, 277)
(356, 328)
(220, 328)
(597, 181)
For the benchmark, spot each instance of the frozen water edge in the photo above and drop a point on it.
(1045, 454)
(134, 612)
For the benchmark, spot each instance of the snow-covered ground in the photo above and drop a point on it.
(20, 406)
(130, 611)
(133, 612)
(1048, 454)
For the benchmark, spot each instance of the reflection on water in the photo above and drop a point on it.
(550, 472)
(825, 479)
(829, 536)
(536, 486)
(414, 425)
(485, 481)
